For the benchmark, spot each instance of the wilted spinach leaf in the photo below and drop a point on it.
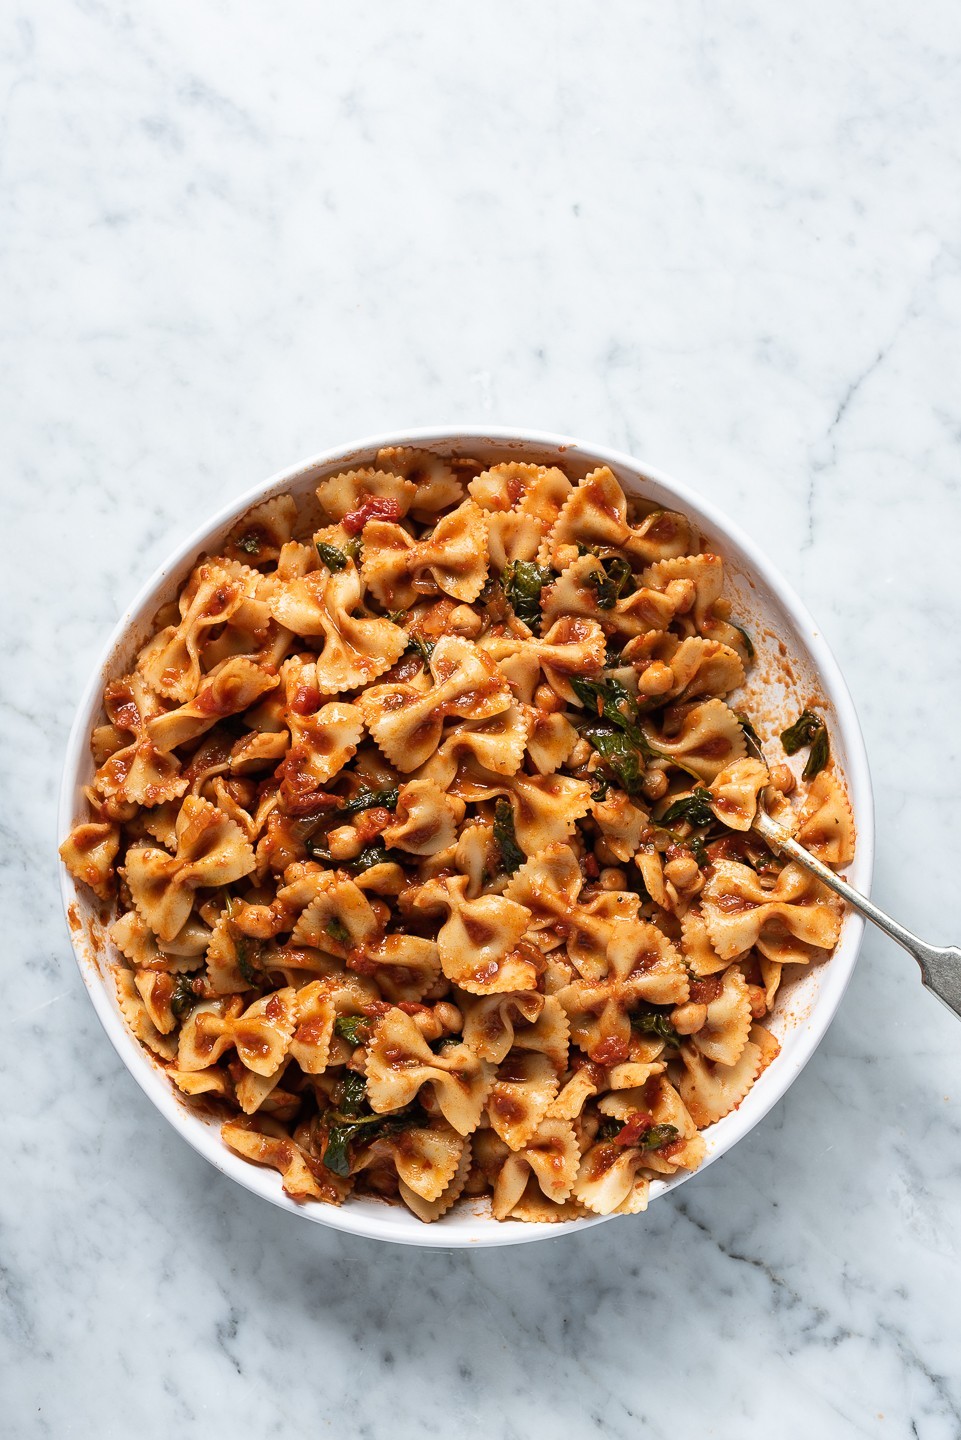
(330, 556)
(656, 1025)
(748, 642)
(611, 581)
(184, 998)
(808, 729)
(619, 754)
(355, 1029)
(751, 736)
(367, 799)
(248, 953)
(694, 808)
(337, 930)
(512, 856)
(657, 1136)
(523, 582)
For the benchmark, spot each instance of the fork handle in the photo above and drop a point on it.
(940, 965)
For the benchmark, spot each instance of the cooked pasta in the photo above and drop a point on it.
(427, 837)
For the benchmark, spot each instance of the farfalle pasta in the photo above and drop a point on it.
(425, 825)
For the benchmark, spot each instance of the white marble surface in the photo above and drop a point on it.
(725, 238)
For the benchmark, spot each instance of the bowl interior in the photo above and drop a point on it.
(794, 668)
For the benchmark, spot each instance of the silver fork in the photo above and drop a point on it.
(940, 964)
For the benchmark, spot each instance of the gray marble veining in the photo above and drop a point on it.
(724, 238)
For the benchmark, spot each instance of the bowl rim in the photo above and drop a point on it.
(486, 1231)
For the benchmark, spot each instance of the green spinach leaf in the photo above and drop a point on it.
(512, 856)
(611, 581)
(619, 754)
(694, 808)
(751, 736)
(248, 954)
(355, 1029)
(330, 556)
(657, 1136)
(808, 729)
(367, 799)
(184, 998)
(609, 700)
(522, 583)
(748, 642)
(656, 1025)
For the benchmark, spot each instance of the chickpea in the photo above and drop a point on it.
(464, 620)
(689, 1018)
(457, 807)
(758, 999)
(449, 1016)
(604, 853)
(657, 679)
(344, 843)
(654, 784)
(566, 555)
(721, 609)
(613, 878)
(548, 700)
(428, 1024)
(782, 778)
(682, 872)
(695, 887)
(681, 594)
(580, 755)
(381, 911)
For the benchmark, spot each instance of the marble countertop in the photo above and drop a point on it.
(726, 240)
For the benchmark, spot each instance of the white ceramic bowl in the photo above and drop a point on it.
(763, 601)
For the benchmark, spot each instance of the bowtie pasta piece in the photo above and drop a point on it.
(825, 824)
(595, 513)
(712, 1091)
(89, 852)
(545, 807)
(583, 589)
(478, 941)
(736, 790)
(267, 1143)
(496, 744)
(705, 574)
(430, 1210)
(408, 723)
(403, 967)
(572, 646)
(437, 487)
(211, 850)
(537, 490)
(400, 1062)
(425, 819)
(708, 739)
(170, 663)
(790, 922)
(455, 556)
(135, 773)
(260, 536)
(261, 1034)
(235, 686)
(356, 648)
(348, 493)
(492, 1021)
(643, 966)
